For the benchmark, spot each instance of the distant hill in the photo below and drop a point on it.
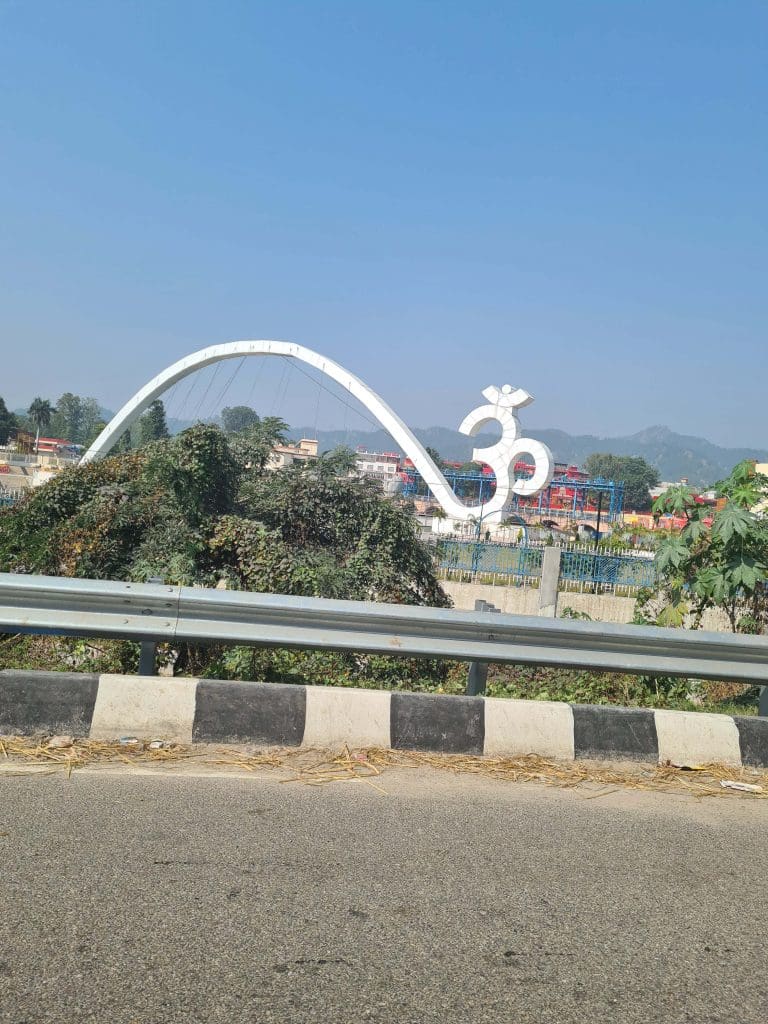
(674, 455)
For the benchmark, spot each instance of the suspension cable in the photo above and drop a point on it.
(195, 381)
(259, 368)
(221, 397)
(374, 424)
(205, 393)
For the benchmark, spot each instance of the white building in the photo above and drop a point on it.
(384, 467)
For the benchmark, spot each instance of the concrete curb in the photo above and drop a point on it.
(282, 714)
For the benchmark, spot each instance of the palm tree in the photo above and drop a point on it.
(40, 412)
(274, 428)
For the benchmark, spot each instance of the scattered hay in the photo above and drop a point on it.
(62, 753)
(704, 780)
(314, 767)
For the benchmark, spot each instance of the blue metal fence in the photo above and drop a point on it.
(477, 556)
(608, 570)
(579, 567)
(8, 498)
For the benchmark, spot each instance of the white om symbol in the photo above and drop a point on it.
(503, 405)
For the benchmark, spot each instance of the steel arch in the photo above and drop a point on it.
(501, 454)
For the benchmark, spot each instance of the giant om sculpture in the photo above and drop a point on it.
(502, 407)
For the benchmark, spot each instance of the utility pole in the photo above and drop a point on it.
(599, 512)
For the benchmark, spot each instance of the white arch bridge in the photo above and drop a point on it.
(502, 407)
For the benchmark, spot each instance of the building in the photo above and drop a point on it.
(26, 443)
(286, 454)
(762, 506)
(381, 466)
(58, 446)
(665, 485)
(29, 462)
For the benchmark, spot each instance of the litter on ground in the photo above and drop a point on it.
(47, 755)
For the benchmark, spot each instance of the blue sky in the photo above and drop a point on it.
(567, 196)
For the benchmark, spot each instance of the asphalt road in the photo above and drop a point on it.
(127, 898)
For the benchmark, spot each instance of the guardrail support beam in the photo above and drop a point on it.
(148, 648)
(148, 658)
(477, 677)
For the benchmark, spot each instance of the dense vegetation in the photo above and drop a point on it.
(78, 420)
(719, 560)
(633, 471)
(7, 422)
(202, 509)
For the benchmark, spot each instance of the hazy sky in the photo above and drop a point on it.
(568, 196)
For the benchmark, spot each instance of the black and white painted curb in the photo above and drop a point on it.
(281, 714)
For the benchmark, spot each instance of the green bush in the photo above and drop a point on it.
(201, 509)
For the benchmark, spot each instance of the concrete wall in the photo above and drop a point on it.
(525, 601)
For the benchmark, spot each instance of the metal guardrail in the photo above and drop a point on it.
(136, 611)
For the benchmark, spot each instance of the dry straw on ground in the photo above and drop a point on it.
(23, 756)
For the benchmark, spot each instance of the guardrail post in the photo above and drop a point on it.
(762, 706)
(148, 648)
(550, 578)
(477, 676)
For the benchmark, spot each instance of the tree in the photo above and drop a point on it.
(340, 461)
(637, 475)
(196, 509)
(274, 427)
(152, 425)
(254, 445)
(40, 412)
(436, 457)
(94, 432)
(347, 539)
(124, 443)
(238, 418)
(718, 560)
(90, 421)
(127, 516)
(76, 418)
(7, 422)
(67, 419)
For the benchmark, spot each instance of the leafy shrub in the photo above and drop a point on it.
(201, 509)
